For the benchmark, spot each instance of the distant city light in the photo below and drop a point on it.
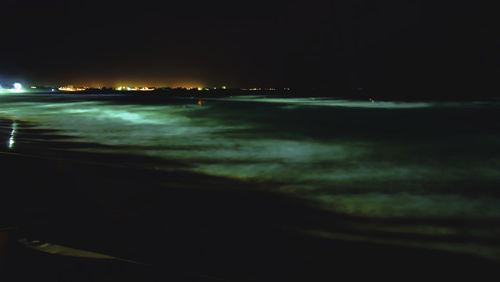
(129, 88)
(18, 86)
(224, 87)
(199, 88)
(71, 88)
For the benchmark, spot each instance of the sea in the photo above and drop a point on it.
(426, 173)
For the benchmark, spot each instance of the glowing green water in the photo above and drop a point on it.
(379, 160)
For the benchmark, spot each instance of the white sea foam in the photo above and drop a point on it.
(338, 103)
(193, 134)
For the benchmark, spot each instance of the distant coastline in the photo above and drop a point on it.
(355, 94)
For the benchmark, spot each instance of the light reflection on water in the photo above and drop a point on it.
(12, 137)
(381, 160)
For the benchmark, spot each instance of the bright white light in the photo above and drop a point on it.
(12, 137)
(18, 86)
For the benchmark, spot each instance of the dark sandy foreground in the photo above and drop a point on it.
(179, 226)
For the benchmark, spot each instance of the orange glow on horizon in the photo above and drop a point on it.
(71, 88)
(135, 83)
(179, 83)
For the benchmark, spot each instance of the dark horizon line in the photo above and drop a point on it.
(353, 94)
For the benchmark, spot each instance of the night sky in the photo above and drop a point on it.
(344, 44)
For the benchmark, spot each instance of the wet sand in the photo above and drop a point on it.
(180, 226)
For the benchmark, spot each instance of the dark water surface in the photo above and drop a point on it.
(255, 189)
